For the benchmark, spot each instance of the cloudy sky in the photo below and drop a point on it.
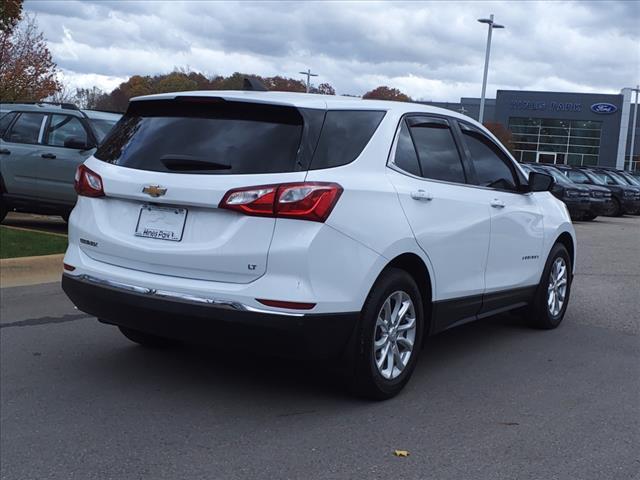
(430, 50)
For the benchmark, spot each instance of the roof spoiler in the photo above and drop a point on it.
(253, 84)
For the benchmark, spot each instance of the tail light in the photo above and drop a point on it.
(305, 201)
(88, 183)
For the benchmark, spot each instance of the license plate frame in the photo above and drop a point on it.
(174, 226)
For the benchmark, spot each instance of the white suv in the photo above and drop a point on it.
(328, 226)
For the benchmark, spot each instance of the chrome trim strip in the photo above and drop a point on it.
(184, 297)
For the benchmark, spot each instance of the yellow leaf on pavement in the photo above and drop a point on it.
(401, 453)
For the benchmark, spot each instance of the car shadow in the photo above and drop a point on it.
(237, 373)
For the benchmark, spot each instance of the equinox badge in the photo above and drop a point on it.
(154, 190)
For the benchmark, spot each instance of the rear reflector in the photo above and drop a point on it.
(282, 304)
(68, 268)
(304, 201)
(87, 182)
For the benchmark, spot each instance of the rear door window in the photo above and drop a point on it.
(344, 135)
(437, 151)
(206, 136)
(5, 121)
(406, 157)
(26, 129)
(64, 127)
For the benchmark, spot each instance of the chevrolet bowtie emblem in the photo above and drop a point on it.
(154, 190)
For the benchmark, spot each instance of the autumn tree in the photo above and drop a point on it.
(180, 80)
(501, 133)
(283, 84)
(89, 98)
(323, 89)
(10, 14)
(174, 82)
(386, 93)
(27, 71)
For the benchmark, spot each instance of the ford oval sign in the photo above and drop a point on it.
(604, 108)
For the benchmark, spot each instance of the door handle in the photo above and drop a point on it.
(495, 203)
(48, 155)
(4, 151)
(421, 195)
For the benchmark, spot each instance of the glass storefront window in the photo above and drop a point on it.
(553, 122)
(553, 139)
(576, 142)
(586, 124)
(575, 159)
(591, 142)
(521, 129)
(525, 138)
(554, 131)
(584, 150)
(585, 133)
(525, 121)
(525, 146)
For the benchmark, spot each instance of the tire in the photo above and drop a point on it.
(393, 287)
(146, 339)
(616, 209)
(540, 313)
(590, 217)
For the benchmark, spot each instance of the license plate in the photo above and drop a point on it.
(163, 223)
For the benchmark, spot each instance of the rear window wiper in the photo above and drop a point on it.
(187, 163)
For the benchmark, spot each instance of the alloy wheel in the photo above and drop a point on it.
(557, 288)
(395, 334)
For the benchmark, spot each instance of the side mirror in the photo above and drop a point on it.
(540, 182)
(77, 143)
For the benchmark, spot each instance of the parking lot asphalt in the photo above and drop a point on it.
(489, 400)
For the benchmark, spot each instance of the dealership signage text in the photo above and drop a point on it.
(553, 106)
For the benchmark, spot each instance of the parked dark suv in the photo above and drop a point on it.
(624, 198)
(601, 198)
(576, 197)
(41, 145)
(611, 177)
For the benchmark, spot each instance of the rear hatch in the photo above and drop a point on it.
(167, 164)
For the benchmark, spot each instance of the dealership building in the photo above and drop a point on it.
(557, 127)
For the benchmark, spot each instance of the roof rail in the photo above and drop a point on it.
(65, 105)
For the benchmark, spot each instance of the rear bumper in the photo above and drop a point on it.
(297, 335)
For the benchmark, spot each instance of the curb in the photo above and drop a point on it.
(17, 272)
(35, 230)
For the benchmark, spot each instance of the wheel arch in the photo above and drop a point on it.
(567, 241)
(415, 266)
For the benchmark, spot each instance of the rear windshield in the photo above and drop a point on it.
(209, 137)
(213, 136)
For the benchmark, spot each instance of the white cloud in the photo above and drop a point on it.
(429, 50)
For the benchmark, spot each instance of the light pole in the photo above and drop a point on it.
(633, 128)
(489, 21)
(309, 75)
